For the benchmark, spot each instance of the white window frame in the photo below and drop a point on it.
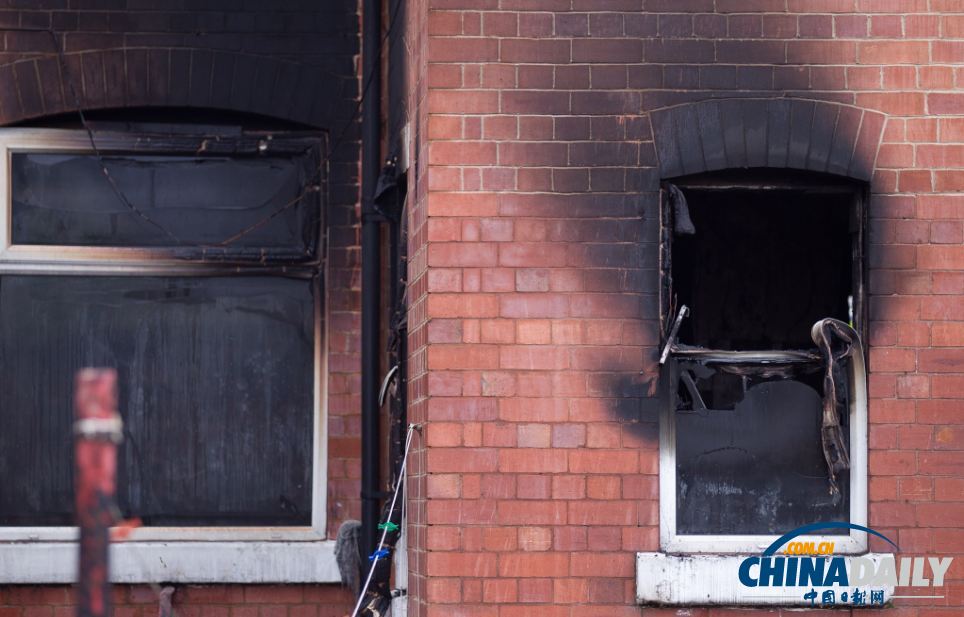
(175, 554)
(856, 541)
(853, 543)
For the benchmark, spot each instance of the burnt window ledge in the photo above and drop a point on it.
(712, 580)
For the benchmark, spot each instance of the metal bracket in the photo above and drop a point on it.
(673, 333)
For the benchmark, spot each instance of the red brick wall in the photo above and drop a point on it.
(540, 300)
(416, 46)
(293, 60)
(188, 601)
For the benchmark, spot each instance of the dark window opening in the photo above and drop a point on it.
(758, 259)
(762, 267)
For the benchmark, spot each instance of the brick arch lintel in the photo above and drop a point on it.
(781, 132)
(171, 77)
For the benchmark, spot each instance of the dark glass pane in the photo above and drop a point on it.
(216, 392)
(752, 461)
(64, 199)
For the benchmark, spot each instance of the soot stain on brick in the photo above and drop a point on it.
(635, 402)
(633, 395)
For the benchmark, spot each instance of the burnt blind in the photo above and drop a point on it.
(216, 393)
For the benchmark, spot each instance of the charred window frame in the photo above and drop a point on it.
(191, 551)
(789, 374)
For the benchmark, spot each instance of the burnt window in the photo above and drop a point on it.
(191, 263)
(762, 297)
(198, 202)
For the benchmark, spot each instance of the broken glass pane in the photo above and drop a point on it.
(748, 451)
(193, 201)
(215, 379)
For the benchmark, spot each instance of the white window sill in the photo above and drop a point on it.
(176, 562)
(713, 580)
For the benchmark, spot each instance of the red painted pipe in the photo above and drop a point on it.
(97, 431)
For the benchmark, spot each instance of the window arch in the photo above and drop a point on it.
(778, 133)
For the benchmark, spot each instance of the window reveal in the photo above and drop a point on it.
(762, 285)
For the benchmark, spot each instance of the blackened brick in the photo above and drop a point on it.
(801, 122)
(821, 135)
(115, 78)
(51, 85)
(755, 127)
(92, 78)
(159, 76)
(731, 114)
(199, 91)
(28, 88)
(844, 139)
(778, 132)
(691, 147)
(180, 82)
(754, 78)
(667, 144)
(711, 133)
